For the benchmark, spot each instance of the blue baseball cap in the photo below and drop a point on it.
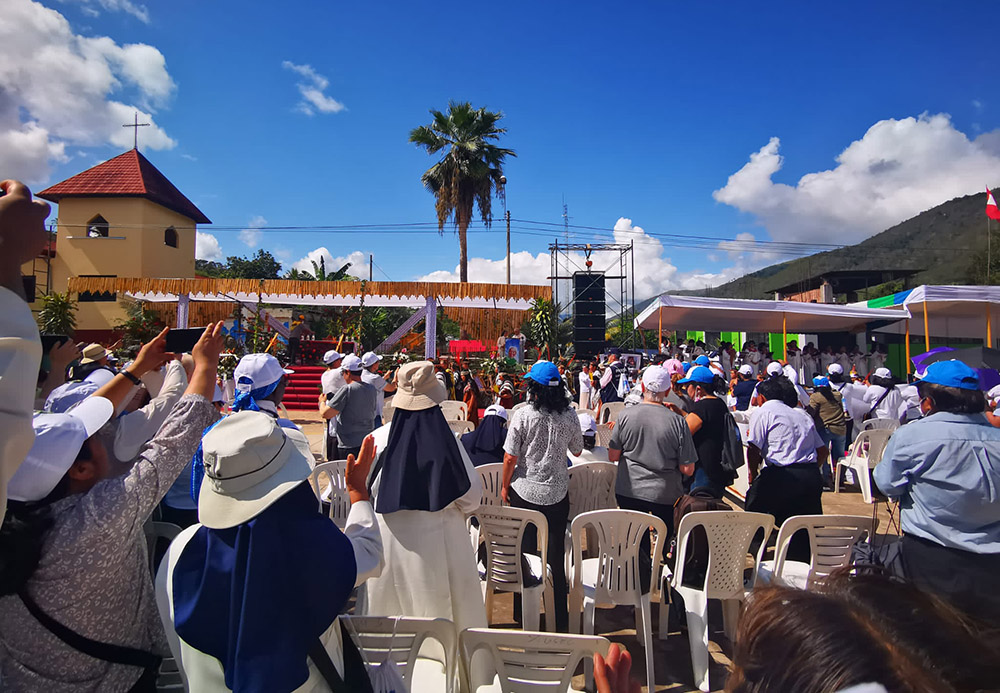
(700, 375)
(821, 381)
(952, 373)
(545, 373)
(687, 366)
(702, 360)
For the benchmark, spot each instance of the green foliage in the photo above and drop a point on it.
(58, 314)
(469, 170)
(977, 272)
(207, 268)
(138, 327)
(263, 265)
(541, 328)
(299, 275)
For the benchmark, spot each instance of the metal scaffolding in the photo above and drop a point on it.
(562, 267)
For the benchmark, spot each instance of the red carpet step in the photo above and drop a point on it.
(303, 388)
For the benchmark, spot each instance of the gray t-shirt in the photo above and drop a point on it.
(355, 404)
(654, 442)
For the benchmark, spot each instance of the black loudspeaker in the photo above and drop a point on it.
(589, 314)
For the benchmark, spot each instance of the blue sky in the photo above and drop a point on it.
(638, 114)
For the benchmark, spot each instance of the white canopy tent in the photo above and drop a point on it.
(742, 315)
(947, 311)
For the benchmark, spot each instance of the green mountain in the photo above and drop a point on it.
(947, 244)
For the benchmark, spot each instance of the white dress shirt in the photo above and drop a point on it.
(784, 435)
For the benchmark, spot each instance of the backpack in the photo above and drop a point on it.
(697, 552)
(733, 456)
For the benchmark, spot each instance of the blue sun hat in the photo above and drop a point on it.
(545, 373)
(952, 373)
(821, 381)
(702, 360)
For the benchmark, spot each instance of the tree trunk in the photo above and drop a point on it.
(463, 252)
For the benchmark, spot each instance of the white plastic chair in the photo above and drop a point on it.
(491, 477)
(610, 411)
(336, 491)
(455, 410)
(729, 535)
(587, 411)
(592, 487)
(531, 662)
(880, 424)
(603, 435)
(831, 538)
(401, 639)
(612, 578)
(502, 530)
(459, 427)
(865, 453)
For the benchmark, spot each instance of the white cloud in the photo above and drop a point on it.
(899, 168)
(251, 235)
(654, 272)
(127, 6)
(357, 259)
(312, 88)
(60, 89)
(206, 247)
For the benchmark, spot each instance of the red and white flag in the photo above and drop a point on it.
(992, 211)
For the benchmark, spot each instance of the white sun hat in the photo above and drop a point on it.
(250, 462)
(58, 440)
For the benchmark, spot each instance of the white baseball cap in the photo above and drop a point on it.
(370, 359)
(331, 357)
(746, 369)
(62, 399)
(255, 371)
(496, 410)
(882, 373)
(774, 368)
(58, 440)
(656, 379)
(835, 368)
(351, 363)
(587, 424)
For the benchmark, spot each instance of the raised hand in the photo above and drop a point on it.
(358, 469)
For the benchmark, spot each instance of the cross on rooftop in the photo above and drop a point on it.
(136, 125)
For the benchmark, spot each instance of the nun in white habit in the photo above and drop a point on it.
(424, 485)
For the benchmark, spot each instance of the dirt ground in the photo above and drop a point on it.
(672, 655)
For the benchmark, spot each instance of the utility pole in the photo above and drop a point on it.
(371, 262)
(507, 214)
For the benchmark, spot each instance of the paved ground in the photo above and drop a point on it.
(672, 655)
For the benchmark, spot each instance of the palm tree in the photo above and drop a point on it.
(469, 171)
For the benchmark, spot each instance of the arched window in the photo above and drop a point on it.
(170, 237)
(97, 227)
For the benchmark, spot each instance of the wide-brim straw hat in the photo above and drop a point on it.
(93, 352)
(250, 462)
(418, 388)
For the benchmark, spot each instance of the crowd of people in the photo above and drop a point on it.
(247, 596)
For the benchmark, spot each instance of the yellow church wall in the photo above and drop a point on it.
(134, 248)
(159, 259)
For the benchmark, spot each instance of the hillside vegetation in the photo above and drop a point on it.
(947, 243)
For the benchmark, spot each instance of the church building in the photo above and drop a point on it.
(119, 218)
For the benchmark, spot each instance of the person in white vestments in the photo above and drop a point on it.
(424, 485)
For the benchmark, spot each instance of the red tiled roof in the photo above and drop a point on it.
(127, 175)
